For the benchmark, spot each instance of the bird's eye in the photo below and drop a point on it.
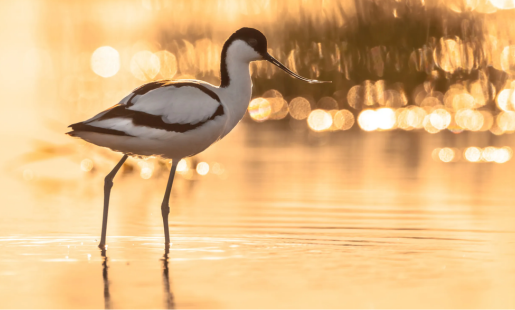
(252, 42)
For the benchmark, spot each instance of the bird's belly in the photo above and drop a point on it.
(162, 143)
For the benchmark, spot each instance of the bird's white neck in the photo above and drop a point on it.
(236, 95)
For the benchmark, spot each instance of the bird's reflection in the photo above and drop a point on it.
(170, 304)
(169, 300)
(107, 296)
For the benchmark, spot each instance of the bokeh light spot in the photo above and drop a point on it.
(503, 4)
(488, 153)
(260, 109)
(354, 97)
(501, 155)
(462, 101)
(469, 119)
(367, 120)
(319, 120)
(446, 154)
(299, 108)
(385, 118)
(440, 119)
(343, 120)
(105, 61)
(182, 166)
(506, 121)
(446, 55)
(473, 154)
(415, 117)
(146, 173)
(202, 168)
(505, 100)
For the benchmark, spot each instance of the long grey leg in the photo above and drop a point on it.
(107, 192)
(165, 209)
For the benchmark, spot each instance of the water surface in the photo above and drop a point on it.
(361, 220)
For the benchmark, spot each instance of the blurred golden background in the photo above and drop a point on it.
(390, 187)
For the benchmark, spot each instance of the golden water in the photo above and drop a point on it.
(361, 222)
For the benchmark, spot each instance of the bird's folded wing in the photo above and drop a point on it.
(162, 105)
(175, 103)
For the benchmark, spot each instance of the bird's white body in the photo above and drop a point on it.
(178, 103)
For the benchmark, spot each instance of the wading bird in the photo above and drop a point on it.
(178, 119)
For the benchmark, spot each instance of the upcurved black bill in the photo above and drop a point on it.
(280, 65)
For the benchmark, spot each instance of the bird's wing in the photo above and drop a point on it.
(171, 106)
(182, 102)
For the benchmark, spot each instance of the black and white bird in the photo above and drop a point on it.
(178, 119)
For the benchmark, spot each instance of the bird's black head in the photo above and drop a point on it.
(253, 37)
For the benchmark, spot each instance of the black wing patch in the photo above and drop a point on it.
(143, 89)
(156, 121)
(85, 127)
